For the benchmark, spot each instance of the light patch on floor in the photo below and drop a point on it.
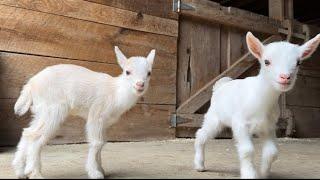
(171, 159)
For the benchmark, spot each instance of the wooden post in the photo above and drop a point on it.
(281, 9)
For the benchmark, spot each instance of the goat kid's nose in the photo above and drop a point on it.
(140, 84)
(285, 76)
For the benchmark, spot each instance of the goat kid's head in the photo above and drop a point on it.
(136, 70)
(280, 60)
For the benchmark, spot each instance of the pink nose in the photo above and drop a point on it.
(284, 78)
(140, 84)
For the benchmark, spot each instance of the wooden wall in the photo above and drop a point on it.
(304, 99)
(36, 34)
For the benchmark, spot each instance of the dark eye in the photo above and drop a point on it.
(298, 63)
(128, 72)
(149, 73)
(267, 62)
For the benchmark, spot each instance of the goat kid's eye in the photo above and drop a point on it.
(267, 62)
(298, 63)
(149, 73)
(128, 72)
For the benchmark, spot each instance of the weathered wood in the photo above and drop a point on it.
(199, 56)
(189, 131)
(306, 121)
(32, 32)
(99, 13)
(276, 9)
(231, 17)
(161, 8)
(305, 93)
(204, 94)
(142, 122)
(16, 69)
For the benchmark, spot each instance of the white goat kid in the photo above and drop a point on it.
(250, 106)
(62, 90)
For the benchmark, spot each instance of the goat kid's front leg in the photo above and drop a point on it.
(95, 131)
(245, 151)
(269, 153)
(210, 128)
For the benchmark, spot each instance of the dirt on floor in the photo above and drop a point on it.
(298, 158)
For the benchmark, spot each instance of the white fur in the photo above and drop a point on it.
(250, 106)
(62, 90)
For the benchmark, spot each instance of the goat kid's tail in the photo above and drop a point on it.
(221, 82)
(24, 101)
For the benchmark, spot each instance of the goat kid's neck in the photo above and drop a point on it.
(125, 92)
(266, 90)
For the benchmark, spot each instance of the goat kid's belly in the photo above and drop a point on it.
(257, 120)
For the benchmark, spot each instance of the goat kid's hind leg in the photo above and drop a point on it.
(269, 153)
(210, 128)
(245, 151)
(49, 121)
(19, 161)
(95, 132)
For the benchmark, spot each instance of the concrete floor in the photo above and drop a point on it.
(171, 159)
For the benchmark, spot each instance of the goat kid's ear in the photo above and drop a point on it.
(308, 48)
(121, 58)
(254, 45)
(151, 56)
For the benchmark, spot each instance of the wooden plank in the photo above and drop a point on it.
(161, 8)
(102, 14)
(183, 70)
(16, 69)
(281, 9)
(142, 122)
(231, 16)
(305, 93)
(276, 9)
(204, 94)
(32, 32)
(224, 48)
(185, 131)
(199, 56)
(306, 121)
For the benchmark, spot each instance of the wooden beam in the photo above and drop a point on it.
(231, 17)
(160, 8)
(204, 94)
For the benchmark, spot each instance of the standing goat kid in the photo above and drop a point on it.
(62, 90)
(250, 106)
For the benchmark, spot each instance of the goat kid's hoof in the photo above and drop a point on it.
(249, 175)
(96, 175)
(20, 174)
(199, 168)
(35, 176)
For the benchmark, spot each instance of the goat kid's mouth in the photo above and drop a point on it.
(284, 83)
(139, 90)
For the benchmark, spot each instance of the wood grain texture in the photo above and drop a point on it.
(16, 69)
(306, 120)
(32, 32)
(99, 13)
(142, 122)
(230, 16)
(160, 8)
(305, 93)
(199, 56)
